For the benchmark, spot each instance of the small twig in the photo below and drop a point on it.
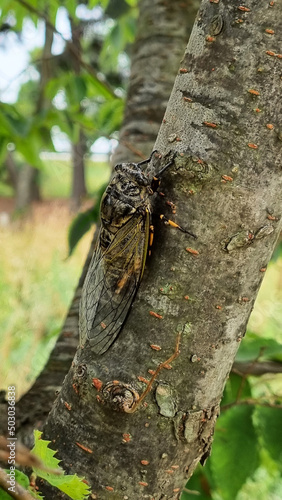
(160, 367)
(18, 492)
(251, 402)
(260, 368)
(244, 378)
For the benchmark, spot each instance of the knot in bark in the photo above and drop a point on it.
(120, 396)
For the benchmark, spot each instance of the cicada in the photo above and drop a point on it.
(117, 265)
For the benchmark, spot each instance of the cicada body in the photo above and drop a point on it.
(117, 265)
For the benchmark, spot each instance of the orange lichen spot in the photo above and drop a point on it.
(270, 32)
(253, 92)
(155, 347)
(97, 383)
(142, 379)
(244, 9)
(239, 21)
(227, 178)
(169, 471)
(210, 38)
(186, 297)
(270, 53)
(183, 70)
(271, 3)
(175, 467)
(83, 447)
(192, 251)
(257, 110)
(152, 372)
(144, 462)
(142, 483)
(103, 325)
(116, 382)
(244, 299)
(270, 126)
(252, 145)
(210, 124)
(271, 217)
(187, 99)
(126, 438)
(146, 424)
(155, 315)
(214, 1)
(262, 269)
(109, 488)
(68, 406)
(74, 386)
(176, 490)
(279, 56)
(218, 307)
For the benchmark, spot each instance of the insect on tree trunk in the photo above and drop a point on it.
(222, 123)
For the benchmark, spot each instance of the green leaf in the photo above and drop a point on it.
(109, 117)
(234, 455)
(83, 222)
(198, 487)
(254, 346)
(73, 485)
(234, 388)
(268, 421)
(45, 454)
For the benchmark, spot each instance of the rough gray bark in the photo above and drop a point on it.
(223, 121)
(163, 30)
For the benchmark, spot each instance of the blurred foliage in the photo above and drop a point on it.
(91, 99)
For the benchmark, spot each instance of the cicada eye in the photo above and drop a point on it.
(130, 189)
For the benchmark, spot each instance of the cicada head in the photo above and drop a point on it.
(127, 192)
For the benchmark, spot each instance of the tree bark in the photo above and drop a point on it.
(163, 31)
(222, 121)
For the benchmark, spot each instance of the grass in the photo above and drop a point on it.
(36, 287)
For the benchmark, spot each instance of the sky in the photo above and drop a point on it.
(15, 70)
(14, 53)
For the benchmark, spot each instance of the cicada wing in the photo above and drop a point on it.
(111, 283)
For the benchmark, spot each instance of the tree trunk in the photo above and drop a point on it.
(163, 30)
(79, 148)
(26, 178)
(222, 122)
